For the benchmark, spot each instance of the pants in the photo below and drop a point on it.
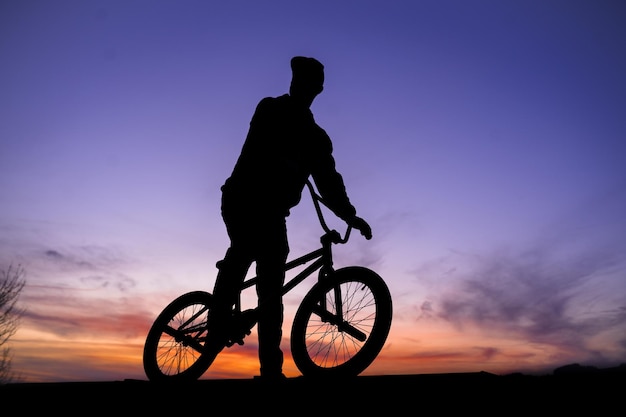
(261, 238)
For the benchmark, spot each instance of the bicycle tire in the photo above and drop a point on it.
(319, 347)
(174, 348)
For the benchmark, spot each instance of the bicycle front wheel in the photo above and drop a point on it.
(342, 324)
(174, 348)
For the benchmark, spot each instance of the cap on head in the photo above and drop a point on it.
(307, 72)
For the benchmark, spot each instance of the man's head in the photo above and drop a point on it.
(307, 77)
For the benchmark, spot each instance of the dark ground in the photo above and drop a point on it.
(574, 389)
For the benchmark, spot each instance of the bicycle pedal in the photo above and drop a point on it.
(233, 342)
(238, 341)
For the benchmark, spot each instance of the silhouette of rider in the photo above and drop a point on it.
(283, 148)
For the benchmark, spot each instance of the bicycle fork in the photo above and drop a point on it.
(336, 319)
(327, 273)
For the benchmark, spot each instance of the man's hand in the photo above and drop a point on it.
(361, 225)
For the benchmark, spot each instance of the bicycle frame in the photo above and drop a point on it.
(320, 259)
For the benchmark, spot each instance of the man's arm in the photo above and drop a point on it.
(331, 186)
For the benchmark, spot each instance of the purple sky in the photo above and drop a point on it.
(483, 141)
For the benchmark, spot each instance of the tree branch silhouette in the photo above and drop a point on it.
(11, 284)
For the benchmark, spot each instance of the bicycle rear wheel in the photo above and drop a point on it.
(174, 348)
(341, 324)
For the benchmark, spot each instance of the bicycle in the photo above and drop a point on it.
(339, 328)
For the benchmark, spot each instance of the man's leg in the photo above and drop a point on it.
(232, 272)
(271, 273)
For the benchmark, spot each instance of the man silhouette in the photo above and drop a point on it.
(283, 147)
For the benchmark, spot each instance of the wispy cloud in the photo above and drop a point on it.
(566, 291)
(93, 266)
(68, 313)
(77, 291)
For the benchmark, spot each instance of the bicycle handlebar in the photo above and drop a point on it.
(317, 199)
